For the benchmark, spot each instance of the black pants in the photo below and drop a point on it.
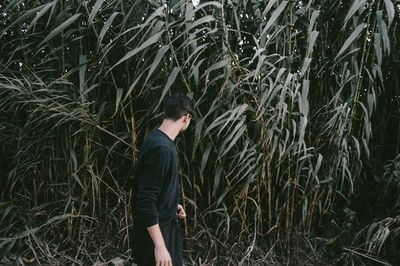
(143, 246)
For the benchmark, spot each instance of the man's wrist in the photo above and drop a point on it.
(157, 237)
(159, 245)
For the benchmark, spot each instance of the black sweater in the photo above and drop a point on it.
(156, 183)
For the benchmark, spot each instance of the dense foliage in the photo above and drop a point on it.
(293, 157)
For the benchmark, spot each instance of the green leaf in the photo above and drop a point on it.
(306, 64)
(235, 114)
(60, 28)
(357, 4)
(153, 39)
(160, 54)
(133, 85)
(378, 48)
(357, 143)
(168, 85)
(95, 9)
(390, 11)
(236, 133)
(76, 177)
(74, 160)
(317, 167)
(220, 64)
(208, 3)
(23, 17)
(82, 75)
(205, 19)
(313, 19)
(204, 160)
(385, 37)
(274, 16)
(311, 41)
(106, 27)
(118, 99)
(42, 12)
(353, 36)
(268, 7)
(217, 177)
(190, 13)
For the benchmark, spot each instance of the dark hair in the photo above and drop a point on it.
(178, 105)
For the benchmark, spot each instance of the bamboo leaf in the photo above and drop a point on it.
(235, 113)
(311, 41)
(376, 69)
(205, 19)
(353, 36)
(118, 99)
(208, 3)
(199, 126)
(378, 48)
(357, 144)
(371, 99)
(268, 7)
(365, 145)
(197, 8)
(390, 11)
(274, 16)
(106, 27)
(23, 17)
(42, 12)
(217, 177)
(160, 54)
(220, 64)
(133, 85)
(385, 37)
(357, 4)
(195, 71)
(317, 167)
(370, 230)
(306, 64)
(76, 177)
(313, 19)
(168, 85)
(204, 160)
(74, 160)
(82, 74)
(95, 9)
(60, 28)
(237, 133)
(153, 39)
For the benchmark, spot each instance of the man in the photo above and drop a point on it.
(156, 232)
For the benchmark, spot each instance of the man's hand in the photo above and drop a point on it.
(161, 253)
(162, 256)
(181, 212)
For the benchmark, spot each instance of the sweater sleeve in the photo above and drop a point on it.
(155, 164)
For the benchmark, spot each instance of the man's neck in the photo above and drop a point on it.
(170, 127)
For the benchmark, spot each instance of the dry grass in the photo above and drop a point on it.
(290, 98)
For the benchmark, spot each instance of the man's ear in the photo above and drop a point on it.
(185, 118)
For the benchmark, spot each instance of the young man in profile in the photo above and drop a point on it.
(156, 232)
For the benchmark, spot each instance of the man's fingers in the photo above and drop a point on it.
(166, 263)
